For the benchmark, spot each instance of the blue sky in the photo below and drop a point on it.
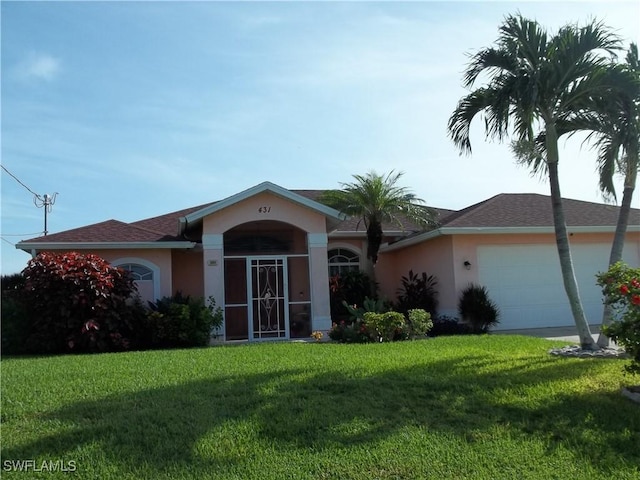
(135, 109)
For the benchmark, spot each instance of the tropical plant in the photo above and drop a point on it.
(418, 291)
(536, 81)
(377, 199)
(350, 287)
(375, 305)
(477, 309)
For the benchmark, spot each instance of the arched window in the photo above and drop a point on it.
(146, 276)
(342, 260)
(138, 272)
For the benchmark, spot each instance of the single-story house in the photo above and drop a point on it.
(266, 254)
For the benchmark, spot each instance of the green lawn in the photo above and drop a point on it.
(487, 407)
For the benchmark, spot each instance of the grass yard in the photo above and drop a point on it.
(488, 407)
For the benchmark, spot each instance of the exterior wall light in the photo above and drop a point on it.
(467, 264)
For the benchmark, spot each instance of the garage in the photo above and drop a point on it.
(526, 283)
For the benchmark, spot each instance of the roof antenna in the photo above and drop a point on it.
(47, 202)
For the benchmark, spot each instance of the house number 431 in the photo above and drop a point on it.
(264, 209)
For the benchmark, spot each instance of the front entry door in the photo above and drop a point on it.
(268, 311)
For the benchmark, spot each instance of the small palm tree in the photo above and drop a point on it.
(534, 82)
(376, 199)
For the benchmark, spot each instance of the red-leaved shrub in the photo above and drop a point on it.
(79, 302)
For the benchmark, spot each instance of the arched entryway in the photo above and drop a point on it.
(266, 282)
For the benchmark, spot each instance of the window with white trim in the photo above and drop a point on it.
(342, 260)
(143, 278)
(138, 272)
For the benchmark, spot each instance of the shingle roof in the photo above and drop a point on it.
(534, 210)
(169, 222)
(108, 231)
(504, 210)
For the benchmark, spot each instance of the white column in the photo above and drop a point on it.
(319, 273)
(213, 258)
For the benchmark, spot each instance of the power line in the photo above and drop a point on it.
(47, 201)
(19, 234)
(5, 240)
(18, 180)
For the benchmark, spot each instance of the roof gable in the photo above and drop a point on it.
(333, 216)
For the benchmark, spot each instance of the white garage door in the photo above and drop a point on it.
(526, 283)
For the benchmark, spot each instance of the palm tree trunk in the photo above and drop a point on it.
(562, 242)
(617, 246)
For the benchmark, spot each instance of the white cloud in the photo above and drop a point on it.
(39, 66)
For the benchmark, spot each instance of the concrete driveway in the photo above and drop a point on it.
(567, 334)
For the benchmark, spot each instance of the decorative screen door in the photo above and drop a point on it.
(268, 307)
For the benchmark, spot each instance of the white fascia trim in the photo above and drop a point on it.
(407, 242)
(363, 234)
(262, 187)
(534, 230)
(496, 231)
(102, 245)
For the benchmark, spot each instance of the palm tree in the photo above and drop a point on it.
(376, 199)
(535, 81)
(615, 122)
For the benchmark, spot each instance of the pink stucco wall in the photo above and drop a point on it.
(188, 273)
(444, 257)
(433, 257)
(264, 206)
(161, 258)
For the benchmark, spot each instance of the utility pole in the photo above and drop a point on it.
(47, 202)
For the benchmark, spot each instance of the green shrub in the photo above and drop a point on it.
(418, 292)
(621, 288)
(15, 321)
(15, 326)
(445, 325)
(386, 327)
(78, 302)
(419, 323)
(477, 309)
(182, 321)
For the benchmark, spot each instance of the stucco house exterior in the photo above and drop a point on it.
(266, 254)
